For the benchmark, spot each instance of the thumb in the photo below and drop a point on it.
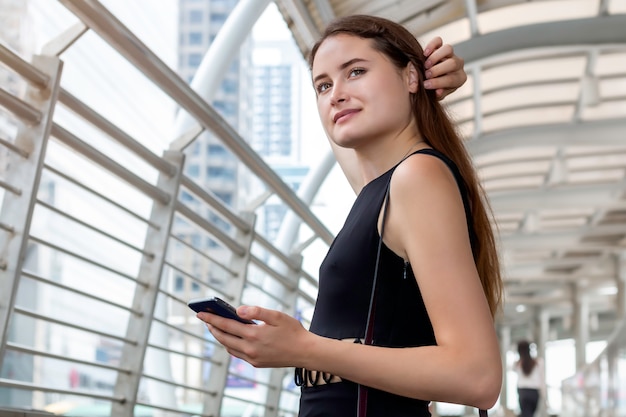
(252, 312)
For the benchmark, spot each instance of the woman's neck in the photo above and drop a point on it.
(380, 157)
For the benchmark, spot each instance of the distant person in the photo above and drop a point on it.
(530, 379)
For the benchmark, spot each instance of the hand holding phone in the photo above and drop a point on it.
(217, 306)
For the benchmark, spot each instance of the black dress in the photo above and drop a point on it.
(345, 284)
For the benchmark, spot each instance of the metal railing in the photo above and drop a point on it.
(99, 258)
(598, 388)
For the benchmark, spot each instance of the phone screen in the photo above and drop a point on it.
(217, 306)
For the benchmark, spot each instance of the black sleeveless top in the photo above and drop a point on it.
(345, 285)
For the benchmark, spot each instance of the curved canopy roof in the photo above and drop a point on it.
(544, 115)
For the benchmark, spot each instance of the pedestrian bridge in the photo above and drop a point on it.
(105, 233)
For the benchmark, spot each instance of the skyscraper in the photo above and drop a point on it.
(276, 121)
(14, 35)
(208, 162)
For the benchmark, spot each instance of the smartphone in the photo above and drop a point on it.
(217, 306)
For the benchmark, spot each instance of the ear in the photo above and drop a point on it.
(412, 77)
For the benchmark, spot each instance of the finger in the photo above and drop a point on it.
(449, 66)
(431, 46)
(229, 341)
(259, 313)
(452, 80)
(441, 93)
(223, 324)
(449, 81)
(441, 54)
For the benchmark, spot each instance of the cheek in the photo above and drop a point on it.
(323, 109)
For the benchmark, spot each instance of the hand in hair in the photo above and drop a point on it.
(444, 69)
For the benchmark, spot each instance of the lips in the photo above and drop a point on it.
(343, 113)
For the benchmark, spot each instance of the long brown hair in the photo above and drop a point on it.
(527, 362)
(401, 47)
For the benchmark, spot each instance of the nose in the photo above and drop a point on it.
(338, 94)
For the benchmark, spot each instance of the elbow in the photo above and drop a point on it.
(485, 388)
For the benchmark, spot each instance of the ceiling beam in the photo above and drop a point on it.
(600, 30)
(584, 196)
(557, 240)
(325, 10)
(303, 21)
(594, 133)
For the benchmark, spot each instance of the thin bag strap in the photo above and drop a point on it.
(361, 410)
(369, 328)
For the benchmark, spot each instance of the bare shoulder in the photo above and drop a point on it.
(422, 173)
(424, 201)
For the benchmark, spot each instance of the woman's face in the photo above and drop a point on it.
(361, 95)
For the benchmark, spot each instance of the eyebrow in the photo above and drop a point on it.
(341, 67)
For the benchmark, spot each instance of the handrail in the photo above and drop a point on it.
(60, 184)
(19, 108)
(115, 132)
(24, 68)
(110, 29)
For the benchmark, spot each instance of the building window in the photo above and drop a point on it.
(194, 60)
(179, 283)
(229, 86)
(218, 19)
(227, 198)
(225, 108)
(195, 38)
(221, 172)
(193, 170)
(217, 150)
(186, 197)
(196, 16)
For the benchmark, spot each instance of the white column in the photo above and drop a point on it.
(581, 324)
(620, 275)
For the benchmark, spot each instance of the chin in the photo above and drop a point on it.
(348, 141)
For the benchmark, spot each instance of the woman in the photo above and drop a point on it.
(439, 283)
(530, 379)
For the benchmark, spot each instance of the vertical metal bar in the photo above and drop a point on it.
(277, 374)
(239, 264)
(472, 16)
(150, 273)
(25, 173)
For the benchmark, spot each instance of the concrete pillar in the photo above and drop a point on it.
(542, 332)
(581, 324)
(620, 275)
